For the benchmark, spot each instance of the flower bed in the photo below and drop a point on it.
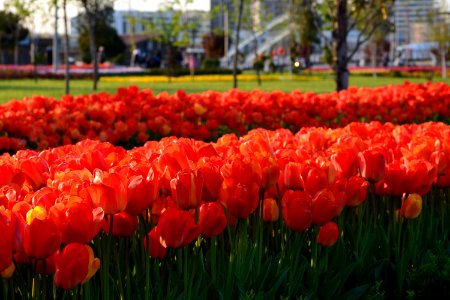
(130, 117)
(243, 217)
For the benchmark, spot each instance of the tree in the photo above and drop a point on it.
(439, 22)
(344, 16)
(92, 12)
(11, 32)
(236, 41)
(255, 16)
(171, 29)
(213, 44)
(305, 27)
(105, 36)
(24, 9)
(66, 50)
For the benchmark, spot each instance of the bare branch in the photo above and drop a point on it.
(360, 41)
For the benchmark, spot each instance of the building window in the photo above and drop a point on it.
(124, 27)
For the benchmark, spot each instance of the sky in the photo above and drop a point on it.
(43, 22)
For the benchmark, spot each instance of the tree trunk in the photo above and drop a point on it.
(66, 50)
(236, 46)
(16, 46)
(257, 62)
(170, 57)
(1, 51)
(340, 45)
(93, 46)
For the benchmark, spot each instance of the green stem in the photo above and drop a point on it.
(4, 287)
(213, 258)
(127, 268)
(314, 264)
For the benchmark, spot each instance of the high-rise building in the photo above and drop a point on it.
(225, 11)
(410, 15)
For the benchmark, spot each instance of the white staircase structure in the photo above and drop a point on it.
(273, 33)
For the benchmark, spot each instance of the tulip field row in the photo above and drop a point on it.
(322, 213)
(132, 116)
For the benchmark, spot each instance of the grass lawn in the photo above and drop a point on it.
(20, 88)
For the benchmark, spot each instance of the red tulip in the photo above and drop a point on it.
(108, 191)
(212, 179)
(75, 265)
(345, 162)
(47, 266)
(372, 164)
(177, 228)
(187, 189)
(123, 224)
(420, 176)
(153, 240)
(411, 207)
(324, 207)
(356, 191)
(212, 219)
(42, 237)
(328, 234)
(442, 160)
(36, 170)
(296, 210)
(240, 200)
(8, 172)
(78, 222)
(6, 245)
(316, 179)
(9, 271)
(7, 194)
(142, 192)
(292, 176)
(271, 212)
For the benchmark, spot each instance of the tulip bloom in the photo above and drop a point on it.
(212, 219)
(239, 199)
(345, 162)
(296, 210)
(324, 207)
(36, 170)
(177, 228)
(316, 179)
(153, 241)
(142, 192)
(212, 179)
(271, 212)
(372, 165)
(108, 191)
(6, 246)
(411, 207)
(187, 189)
(356, 191)
(328, 234)
(292, 176)
(77, 221)
(75, 265)
(123, 224)
(42, 237)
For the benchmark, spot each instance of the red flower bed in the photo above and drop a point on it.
(131, 117)
(189, 187)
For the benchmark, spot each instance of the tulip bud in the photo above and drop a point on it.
(212, 219)
(271, 212)
(372, 165)
(187, 188)
(411, 207)
(328, 234)
(75, 265)
(296, 210)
